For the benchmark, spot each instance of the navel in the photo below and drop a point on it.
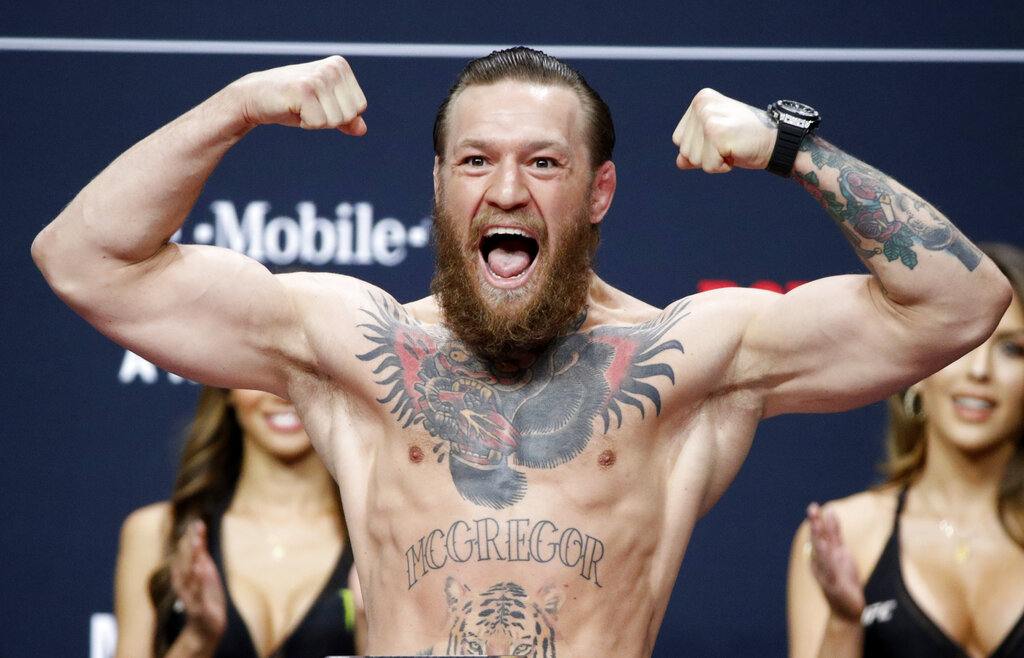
(415, 454)
(606, 459)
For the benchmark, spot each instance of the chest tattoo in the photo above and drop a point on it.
(492, 420)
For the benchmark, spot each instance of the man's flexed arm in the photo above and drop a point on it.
(841, 342)
(205, 312)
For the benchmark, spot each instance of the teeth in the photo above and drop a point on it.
(504, 230)
(973, 403)
(287, 419)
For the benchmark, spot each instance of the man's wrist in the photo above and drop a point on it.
(225, 113)
(794, 122)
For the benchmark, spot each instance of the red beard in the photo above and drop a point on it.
(502, 324)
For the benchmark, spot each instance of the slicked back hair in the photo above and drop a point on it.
(528, 65)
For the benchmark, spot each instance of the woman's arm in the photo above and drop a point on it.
(824, 595)
(138, 556)
(194, 578)
(198, 586)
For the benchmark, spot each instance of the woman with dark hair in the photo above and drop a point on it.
(930, 562)
(250, 557)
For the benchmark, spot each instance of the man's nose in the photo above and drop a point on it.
(508, 190)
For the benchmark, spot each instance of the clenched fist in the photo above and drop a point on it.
(718, 133)
(313, 95)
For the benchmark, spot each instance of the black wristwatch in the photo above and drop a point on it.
(795, 121)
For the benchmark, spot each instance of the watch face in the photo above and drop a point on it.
(797, 109)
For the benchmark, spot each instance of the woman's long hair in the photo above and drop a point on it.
(905, 445)
(211, 460)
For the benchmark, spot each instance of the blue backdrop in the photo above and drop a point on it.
(91, 433)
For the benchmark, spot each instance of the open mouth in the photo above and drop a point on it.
(284, 421)
(973, 403)
(508, 252)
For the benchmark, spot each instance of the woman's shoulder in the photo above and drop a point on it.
(866, 507)
(142, 542)
(860, 512)
(865, 521)
(145, 523)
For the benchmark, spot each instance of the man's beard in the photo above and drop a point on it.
(500, 324)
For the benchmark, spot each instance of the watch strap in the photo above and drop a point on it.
(787, 144)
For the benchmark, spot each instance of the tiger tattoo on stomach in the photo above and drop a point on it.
(502, 620)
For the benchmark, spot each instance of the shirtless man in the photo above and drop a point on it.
(523, 455)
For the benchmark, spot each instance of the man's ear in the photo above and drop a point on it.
(437, 172)
(602, 191)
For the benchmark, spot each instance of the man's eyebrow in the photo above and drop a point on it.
(471, 143)
(540, 145)
(536, 145)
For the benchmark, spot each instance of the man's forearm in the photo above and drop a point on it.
(130, 210)
(916, 253)
(879, 216)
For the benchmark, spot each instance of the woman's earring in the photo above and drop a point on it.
(912, 406)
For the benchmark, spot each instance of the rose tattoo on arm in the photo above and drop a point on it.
(877, 219)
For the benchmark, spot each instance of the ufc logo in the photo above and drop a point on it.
(880, 612)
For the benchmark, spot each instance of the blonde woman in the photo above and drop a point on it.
(931, 562)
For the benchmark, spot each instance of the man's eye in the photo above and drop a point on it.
(474, 161)
(545, 163)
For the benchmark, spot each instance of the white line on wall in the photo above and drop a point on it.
(439, 50)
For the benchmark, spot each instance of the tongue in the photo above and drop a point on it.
(507, 263)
